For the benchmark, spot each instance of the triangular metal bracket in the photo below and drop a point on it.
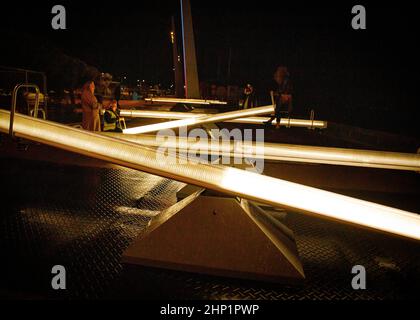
(219, 236)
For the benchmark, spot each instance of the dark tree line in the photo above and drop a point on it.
(62, 70)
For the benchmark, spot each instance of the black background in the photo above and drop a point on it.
(360, 77)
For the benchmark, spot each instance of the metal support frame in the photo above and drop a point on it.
(26, 72)
(219, 228)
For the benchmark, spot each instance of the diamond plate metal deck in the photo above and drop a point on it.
(84, 218)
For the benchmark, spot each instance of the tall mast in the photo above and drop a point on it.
(179, 90)
(192, 89)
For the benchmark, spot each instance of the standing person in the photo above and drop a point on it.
(91, 120)
(112, 119)
(249, 97)
(281, 95)
(135, 95)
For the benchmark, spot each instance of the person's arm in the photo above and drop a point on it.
(95, 104)
(89, 100)
(272, 97)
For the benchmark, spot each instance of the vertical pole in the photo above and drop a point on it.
(179, 90)
(192, 89)
(228, 73)
(44, 77)
(229, 64)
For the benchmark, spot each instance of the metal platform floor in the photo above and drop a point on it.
(83, 218)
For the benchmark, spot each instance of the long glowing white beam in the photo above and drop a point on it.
(186, 101)
(287, 122)
(219, 117)
(325, 203)
(251, 120)
(158, 114)
(233, 181)
(283, 152)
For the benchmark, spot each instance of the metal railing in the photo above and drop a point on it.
(312, 118)
(14, 100)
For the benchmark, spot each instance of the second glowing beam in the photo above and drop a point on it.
(200, 120)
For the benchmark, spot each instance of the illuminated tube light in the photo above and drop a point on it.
(284, 152)
(218, 117)
(187, 101)
(322, 202)
(287, 122)
(158, 114)
(251, 120)
(275, 192)
(161, 126)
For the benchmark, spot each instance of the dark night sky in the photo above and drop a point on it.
(133, 37)
(332, 65)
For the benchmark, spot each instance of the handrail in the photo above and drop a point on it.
(14, 96)
(312, 118)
